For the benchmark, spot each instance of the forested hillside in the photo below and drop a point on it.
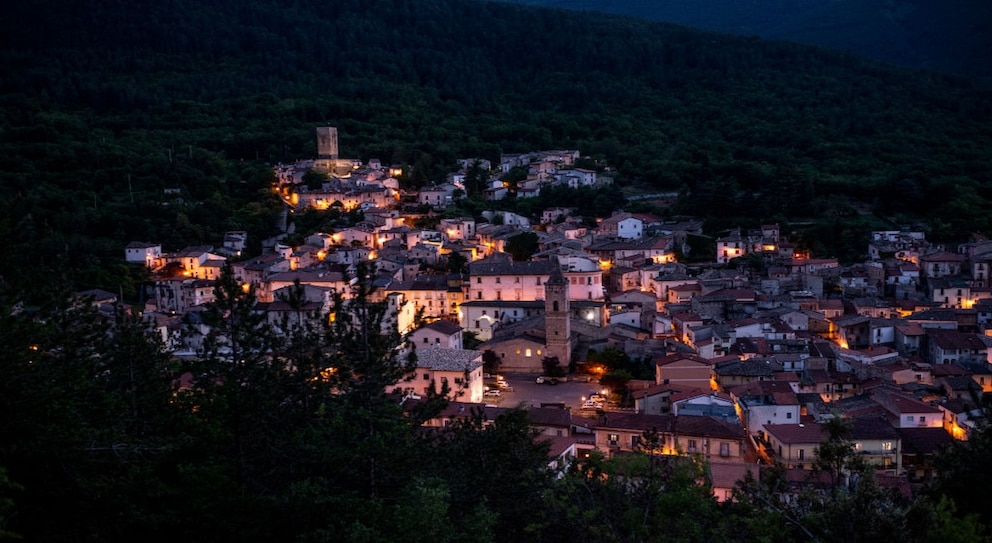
(105, 105)
(951, 36)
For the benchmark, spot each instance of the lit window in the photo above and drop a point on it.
(527, 352)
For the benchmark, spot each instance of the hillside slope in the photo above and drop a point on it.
(104, 105)
(952, 36)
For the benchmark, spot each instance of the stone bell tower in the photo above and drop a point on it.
(556, 316)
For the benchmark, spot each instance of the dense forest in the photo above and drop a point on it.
(951, 36)
(160, 121)
(105, 105)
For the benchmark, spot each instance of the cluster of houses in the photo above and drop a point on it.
(750, 362)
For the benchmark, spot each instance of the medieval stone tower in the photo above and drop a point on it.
(556, 316)
(327, 142)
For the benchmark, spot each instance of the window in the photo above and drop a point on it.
(516, 279)
(725, 449)
(886, 445)
(788, 415)
(613, 439)
(635, 442)
(498, 281)
(922, 419)
(427, 377)
(527, 353)
(802, 454)
(478, 280)
(477, 324)
(692, 445)
(518, 351)
(425, 340)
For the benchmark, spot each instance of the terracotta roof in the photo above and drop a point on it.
(762, 388)
(952, 339)
(726, 474)
(444, 327)
(944, 257)
(923, 440)
(798, 433)
(557, 445)
(691, 425)
(872, 428)
(898, 403)
(658, 389)
(671, 359)
(549, 416)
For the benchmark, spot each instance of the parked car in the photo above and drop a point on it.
(592, 404)
(493, 392)
(546, 380)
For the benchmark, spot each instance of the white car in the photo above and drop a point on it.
(494, 392)
(592, 404)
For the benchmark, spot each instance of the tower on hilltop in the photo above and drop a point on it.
(327, 142)
(557, 324)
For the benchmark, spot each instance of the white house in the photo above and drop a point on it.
(623, 226)
(441, 333)
(459, 369)
(138, 252)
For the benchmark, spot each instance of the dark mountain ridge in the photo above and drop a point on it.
(952, 36)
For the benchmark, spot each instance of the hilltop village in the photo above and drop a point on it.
(752, 354)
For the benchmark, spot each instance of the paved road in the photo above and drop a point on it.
(526, 391)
